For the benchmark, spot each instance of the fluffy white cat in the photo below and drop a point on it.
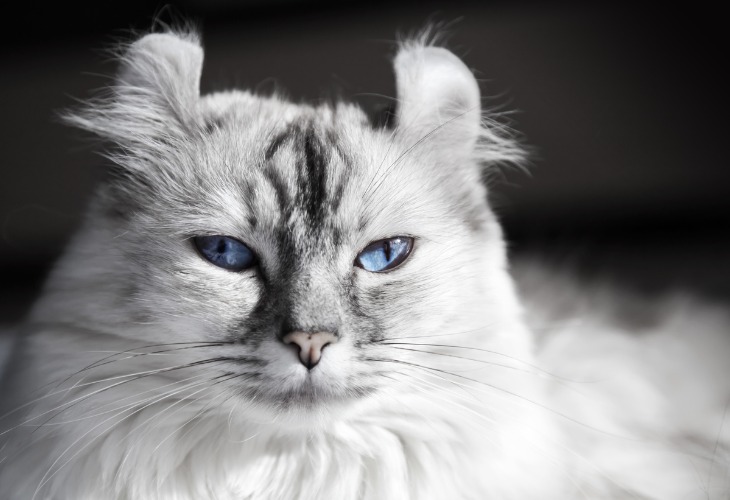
(278, 301)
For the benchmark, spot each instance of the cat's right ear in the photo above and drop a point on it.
(154, 96)
(164, 68)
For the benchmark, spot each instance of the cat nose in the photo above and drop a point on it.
(310, 345)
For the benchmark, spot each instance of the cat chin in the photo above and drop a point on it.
(299, 397)
(299, 412)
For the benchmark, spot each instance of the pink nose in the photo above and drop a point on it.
(310, 345)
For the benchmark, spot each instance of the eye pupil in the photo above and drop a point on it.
(384, 255)
(225, 252)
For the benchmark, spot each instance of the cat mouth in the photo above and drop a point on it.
(308, 394)
(280, 379)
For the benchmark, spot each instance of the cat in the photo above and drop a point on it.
(270, 300)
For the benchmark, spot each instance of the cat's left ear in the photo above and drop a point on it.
(439, 111)
(438, 100)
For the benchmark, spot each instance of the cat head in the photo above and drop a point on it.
(292, 245)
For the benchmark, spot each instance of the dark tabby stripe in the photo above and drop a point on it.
(314, 152)
(312, 179)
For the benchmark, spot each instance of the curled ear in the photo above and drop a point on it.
(439, 108)
(437, 96)
(165, 67)
(154, 96)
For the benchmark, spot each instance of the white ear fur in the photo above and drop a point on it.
(155, 96)
(164, 65)
(438, 97)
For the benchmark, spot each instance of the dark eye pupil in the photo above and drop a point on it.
(386, 249)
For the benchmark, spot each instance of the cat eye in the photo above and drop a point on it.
(384, 255)
(225, 252)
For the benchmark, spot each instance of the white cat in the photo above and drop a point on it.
(279, 301)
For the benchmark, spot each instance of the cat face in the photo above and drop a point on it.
(294, 243)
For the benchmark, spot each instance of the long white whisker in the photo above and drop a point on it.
(48, 475)
(128, 378)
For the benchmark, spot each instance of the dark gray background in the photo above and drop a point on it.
(626, 109)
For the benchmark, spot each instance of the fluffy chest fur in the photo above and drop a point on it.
(409, 450)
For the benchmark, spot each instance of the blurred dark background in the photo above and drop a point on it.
(626, 108)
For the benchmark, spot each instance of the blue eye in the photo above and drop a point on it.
(384, 255)
(225, 252)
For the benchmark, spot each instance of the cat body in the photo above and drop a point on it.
(148, 371)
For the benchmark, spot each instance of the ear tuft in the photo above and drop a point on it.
(437, 92)
(154, 98)
(439, 107)
(167, 64)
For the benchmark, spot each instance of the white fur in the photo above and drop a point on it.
(558, 403)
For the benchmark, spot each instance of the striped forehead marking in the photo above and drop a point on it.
(314, 153)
